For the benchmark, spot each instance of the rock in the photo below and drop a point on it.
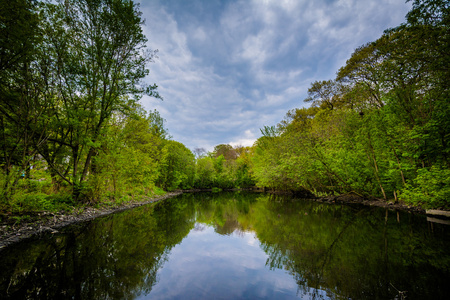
(13, 234)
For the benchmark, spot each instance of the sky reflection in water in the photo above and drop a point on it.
(235, 246)
(209, 265)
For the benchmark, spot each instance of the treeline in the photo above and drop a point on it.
(380, 128)
(72, 129)
(226, 167)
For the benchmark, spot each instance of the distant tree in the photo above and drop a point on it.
(269, 131)
(226, 150)
(177, 166)
(199, 152)
(205, 174)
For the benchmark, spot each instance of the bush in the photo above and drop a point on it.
(31, 202)
(430, 189)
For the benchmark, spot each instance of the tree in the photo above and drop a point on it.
(428, 33)
(205, 174)
(199, 152)
(226, 150)
(363, 71)
(157, 125)
(97, 51)
(21, 90)
(18, 36)
(325, 94)
(177, 166)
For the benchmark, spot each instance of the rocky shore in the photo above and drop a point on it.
(51, 222)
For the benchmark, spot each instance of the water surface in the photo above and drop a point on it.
(235, 246)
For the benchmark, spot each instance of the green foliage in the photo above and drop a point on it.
(382, 126)
(216, 190)
(92, 51)
(23, 202)
(31, 202)
(431, 188)
(158, 191)
(349, 252)
(157, 127)
(70, 121)
(226, 168)
(177, 166)
(205, 174)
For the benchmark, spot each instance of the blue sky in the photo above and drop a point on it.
(227, 68)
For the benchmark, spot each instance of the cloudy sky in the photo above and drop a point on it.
(226, 68)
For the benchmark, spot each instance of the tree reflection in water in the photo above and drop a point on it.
(331, 251)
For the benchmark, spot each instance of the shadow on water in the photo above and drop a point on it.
(330, 251)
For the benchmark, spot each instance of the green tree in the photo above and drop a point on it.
(177, 166)
(205, 173)
(325, 94)
(21, 91)
(97, 48)
(157, 125)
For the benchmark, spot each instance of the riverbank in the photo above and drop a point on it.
(44, 222)
(356, 199)
(353, 198)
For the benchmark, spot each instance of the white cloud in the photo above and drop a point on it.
(200, 34)
(228, 71)
(248, 139)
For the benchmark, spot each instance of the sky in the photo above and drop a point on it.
(228, 68)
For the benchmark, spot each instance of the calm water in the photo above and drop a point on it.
(235, 246)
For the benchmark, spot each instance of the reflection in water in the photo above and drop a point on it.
(235, 245)
(206, 265)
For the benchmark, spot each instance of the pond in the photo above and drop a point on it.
(235, 246)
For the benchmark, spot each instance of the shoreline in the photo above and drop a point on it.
(353, 198)
(52, 222)
(374, 202)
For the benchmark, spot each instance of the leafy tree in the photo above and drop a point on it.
(98, 54)
(362, 71)
(158, 127)
(325, 94)
(18, 36)
(244, 167)
(177, 166)
(21, 91)
(431, 188)
(227, 151)
(205, 174)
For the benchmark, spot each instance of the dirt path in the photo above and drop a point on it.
(51, 222)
